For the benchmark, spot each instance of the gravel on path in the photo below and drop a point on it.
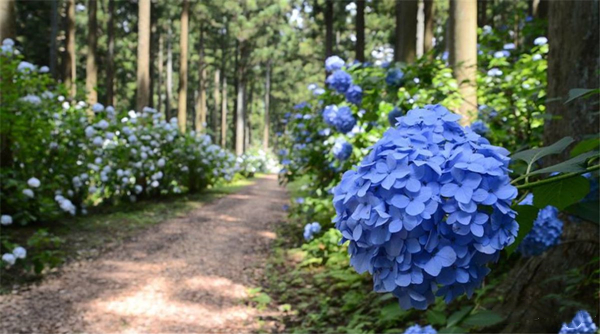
(185, 275)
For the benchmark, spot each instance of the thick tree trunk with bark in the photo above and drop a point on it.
(481, 12)
(91, 66)
(110, 57)
(464, 55)
(224, 114)
(267, 106)
(360, 30)
(200, 121)
(241, 99)
(160, 70)
(429, 13)
(405, 48)
(143, 55)
(70, 58)
(53, 40)
(572, 63)
(183, 68)
(217, 100)
(169, 99)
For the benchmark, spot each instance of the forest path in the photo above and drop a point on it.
(184, 275)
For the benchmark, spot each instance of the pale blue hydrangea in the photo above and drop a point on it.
(339, 81)
(494, 72)
(416, 329)
(342, 150)
(427, 209)
(540, 40)
(334, 63)
(311, 229)
(582, 323)
(545, 233)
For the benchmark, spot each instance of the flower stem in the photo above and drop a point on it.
(557, 178)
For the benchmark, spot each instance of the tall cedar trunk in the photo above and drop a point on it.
(160, 69)
(328, 28)
(420, 28)
(70, 58)
(183, 68)
(241, 98)
(91, 66)
(53, 39)
(110, 57)
(405, 48)
(429, 13)
(236, 87)
(360, 30)
(267, 105)
(143, 55)
(7, 19)
(153, 50)
(540, 8)
(224, 113)
(572, 63)
(449, 36)
(169, 99)
(247, 116)
(217, 99)
(464, 55)
(481, 13)
(200, 121)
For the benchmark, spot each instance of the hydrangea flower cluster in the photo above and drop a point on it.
(354, 94)
(545, 233)
(17, 253)
(394, 77)
(311, 229)
(581, 323)
(340, 81)
(480, 128)
(428, 207)
(416, 329)
(342, 150)
(341, 118)
(334, 63)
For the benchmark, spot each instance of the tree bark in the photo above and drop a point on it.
(153, 49)
(70, 58)
(360, 30)
(169, 99)
(217, 98)
(224, 114)
(267, 105)
(110, 61)
(200, 121)
(7, 20)
(241, 98)
(464, 55)
(429, 13)
(482, 13)
(160, 70)
(143, 54)
(247, 116)
(328, 28)
(91, 66)
(53, 39)
(183, 68)
(405, 48)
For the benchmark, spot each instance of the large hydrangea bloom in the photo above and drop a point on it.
(342, 150)
(334, 63)
(416, 329)
(340, 81)
(354, 94)
(582, 323)
(341, 118)
(428, 207)
(545, 233)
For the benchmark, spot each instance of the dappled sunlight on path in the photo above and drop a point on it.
(189, 274)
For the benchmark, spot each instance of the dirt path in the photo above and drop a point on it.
(185, 275)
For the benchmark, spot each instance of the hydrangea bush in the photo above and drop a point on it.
(582, 323)
(428, 206)
(545, 233)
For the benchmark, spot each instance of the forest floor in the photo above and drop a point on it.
(188, 274)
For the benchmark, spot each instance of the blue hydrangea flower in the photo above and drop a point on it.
(427, 209)
(540, 40)
(354, 94)
(330, 115)
(416, 329)
(340, 81)
(334, 63)
(545, 233)
(494, 72)
(301, 105)
(394, 77)
(342, 150)
(479, 128)
(311, 229)
(344, 121)
(300, 200)
(393, 116)
(582, 323)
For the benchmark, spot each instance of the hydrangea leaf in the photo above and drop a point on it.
(576, 93)
(589, 211)
(458, 316)
(569, 166)
(533, 155)
(526, 216)
(586, 145)
(436, 317)
(562, 193)
(483, 318)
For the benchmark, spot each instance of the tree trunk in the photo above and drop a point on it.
(482, 13)
(70, 58)
(143, 55)
(406, 31)
(449, 35)
(267, 105)
(201, 101)
(241, 98)
(160, 69)
(328, 28)
(110, 57)
(236, 79)
(153, 49)
(224, 114)
(53, 39)
(429, 13)
(183, 68)
(169, 99)
(247, 116)
(217, 98)
(7, 20)
(464, 55)
(91, 66)
(360, 30)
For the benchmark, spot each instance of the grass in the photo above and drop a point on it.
(85, 237)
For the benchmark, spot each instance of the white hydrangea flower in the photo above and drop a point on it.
(6, 220)
(33, 99)
(90, 131)
(98, 141)
(9, 258)
(20, 252)
(25, 67)
(138, 189)
(154, 184)
(33, 182)
(44, 69)
(161, 162)
(28, 192)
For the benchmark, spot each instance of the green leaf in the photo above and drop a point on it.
(526, 215)
(436, 317)
(453, 330)
(570, 166)
(562, 193)
(534, 154)
(589, 211)
(458, 316)
(483, 318)
(576, 93)
(391, 311)
(585, 146)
